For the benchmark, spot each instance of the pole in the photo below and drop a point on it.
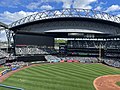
(100, 52)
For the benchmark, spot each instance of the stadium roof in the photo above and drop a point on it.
(67, 12)
(3, 26)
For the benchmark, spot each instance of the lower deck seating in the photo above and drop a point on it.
(112, 62)
(34, 50)
(51, 58)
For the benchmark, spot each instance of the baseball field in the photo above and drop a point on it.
(59, 76)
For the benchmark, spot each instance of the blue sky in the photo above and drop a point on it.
(12, 10)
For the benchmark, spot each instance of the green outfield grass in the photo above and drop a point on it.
(1, 68)
(60, 76)
(118, 83)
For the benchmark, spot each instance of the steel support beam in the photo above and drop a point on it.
(9, 35)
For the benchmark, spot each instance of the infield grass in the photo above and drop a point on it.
(59, 76)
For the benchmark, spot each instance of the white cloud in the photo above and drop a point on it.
(118, 15)
(99, 5)
(98, 8)
(83, 4)
(10, 3)
(3, 36)
(33, 5)
(76, 3)
(113, 8)
(8, 17)
(46, 7)
(39, 5)
(66, 3)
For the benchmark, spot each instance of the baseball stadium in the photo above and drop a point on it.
(62, 49)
